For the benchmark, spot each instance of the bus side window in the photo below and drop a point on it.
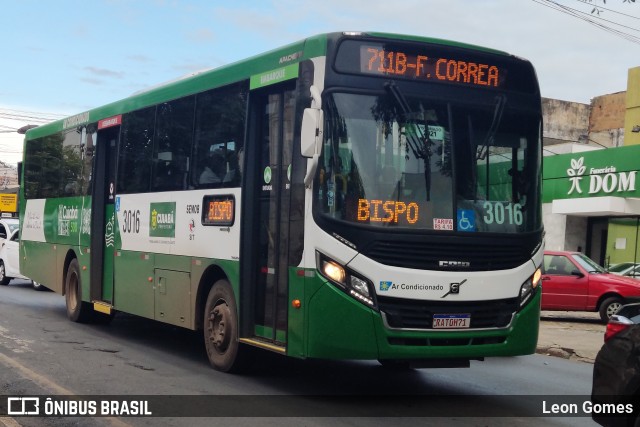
(71, 162)
(213, 167)
(42, 177)
(174, 134)
(136, 151)
(219, 136)
(88, 161)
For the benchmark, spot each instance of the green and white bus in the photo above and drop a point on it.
(352, 195)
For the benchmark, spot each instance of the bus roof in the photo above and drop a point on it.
(431, 40)
(196, 82)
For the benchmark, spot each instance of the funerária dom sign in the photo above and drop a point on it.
(605, 180)
(609, 172)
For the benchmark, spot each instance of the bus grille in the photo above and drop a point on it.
(427, 255)
(412, 314)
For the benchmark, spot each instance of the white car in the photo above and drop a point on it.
(9, 253)
(7, 226)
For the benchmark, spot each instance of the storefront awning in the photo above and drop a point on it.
(597, 206)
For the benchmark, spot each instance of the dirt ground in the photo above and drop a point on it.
(571, 335)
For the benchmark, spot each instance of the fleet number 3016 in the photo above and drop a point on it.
(131, 221)
(503, 212)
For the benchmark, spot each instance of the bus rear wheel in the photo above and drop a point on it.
(221, 328)
(77, 310)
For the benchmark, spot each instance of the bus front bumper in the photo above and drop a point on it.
(340, 327)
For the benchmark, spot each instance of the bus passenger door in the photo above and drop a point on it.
(103, 217)
(266, 215)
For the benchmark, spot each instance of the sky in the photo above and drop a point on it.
(64, 57)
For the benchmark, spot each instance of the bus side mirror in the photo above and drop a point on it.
(311, 138)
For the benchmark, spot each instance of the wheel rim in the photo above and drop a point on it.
(220, 327)
(613, 308)
(73, 292)
(1, 271)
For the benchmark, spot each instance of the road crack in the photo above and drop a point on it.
(103, 350)
(144, 368)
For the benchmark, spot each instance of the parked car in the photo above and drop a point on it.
(633, 271)
(9, 256)
(7, 226)
(630, 269)
(616, 370)
(572, 281)
(621, 267)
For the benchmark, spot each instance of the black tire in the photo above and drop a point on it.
(4, 280)
(609, 307)
(220, 328)
(77, 310)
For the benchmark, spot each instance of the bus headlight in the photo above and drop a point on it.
(529, 287)
(353, 284)
(360, 286)
(333, 271)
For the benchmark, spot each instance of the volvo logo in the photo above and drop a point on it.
(454, 264)
(454, 288)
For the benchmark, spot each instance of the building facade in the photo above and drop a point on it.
(591, 192)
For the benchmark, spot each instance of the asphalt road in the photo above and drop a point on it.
(571, 335)
(42, 353)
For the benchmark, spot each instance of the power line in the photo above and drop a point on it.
(587, 18)
(54, 115)
(605, 20)
(590, 20)
(27, 116)
(609, 10)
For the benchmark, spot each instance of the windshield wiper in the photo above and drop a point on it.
(420, 145)
(501, 100)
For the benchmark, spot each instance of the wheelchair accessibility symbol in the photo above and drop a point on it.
(466, 220)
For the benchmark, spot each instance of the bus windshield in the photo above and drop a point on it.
(411, 162)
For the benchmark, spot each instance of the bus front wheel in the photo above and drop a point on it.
(77, 310)
(221, 328)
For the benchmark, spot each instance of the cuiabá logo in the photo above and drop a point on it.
(67, 220)
(162, 220)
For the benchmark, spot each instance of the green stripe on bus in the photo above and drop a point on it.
(274, 76)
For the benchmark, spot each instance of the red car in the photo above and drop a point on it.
(572, 281)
